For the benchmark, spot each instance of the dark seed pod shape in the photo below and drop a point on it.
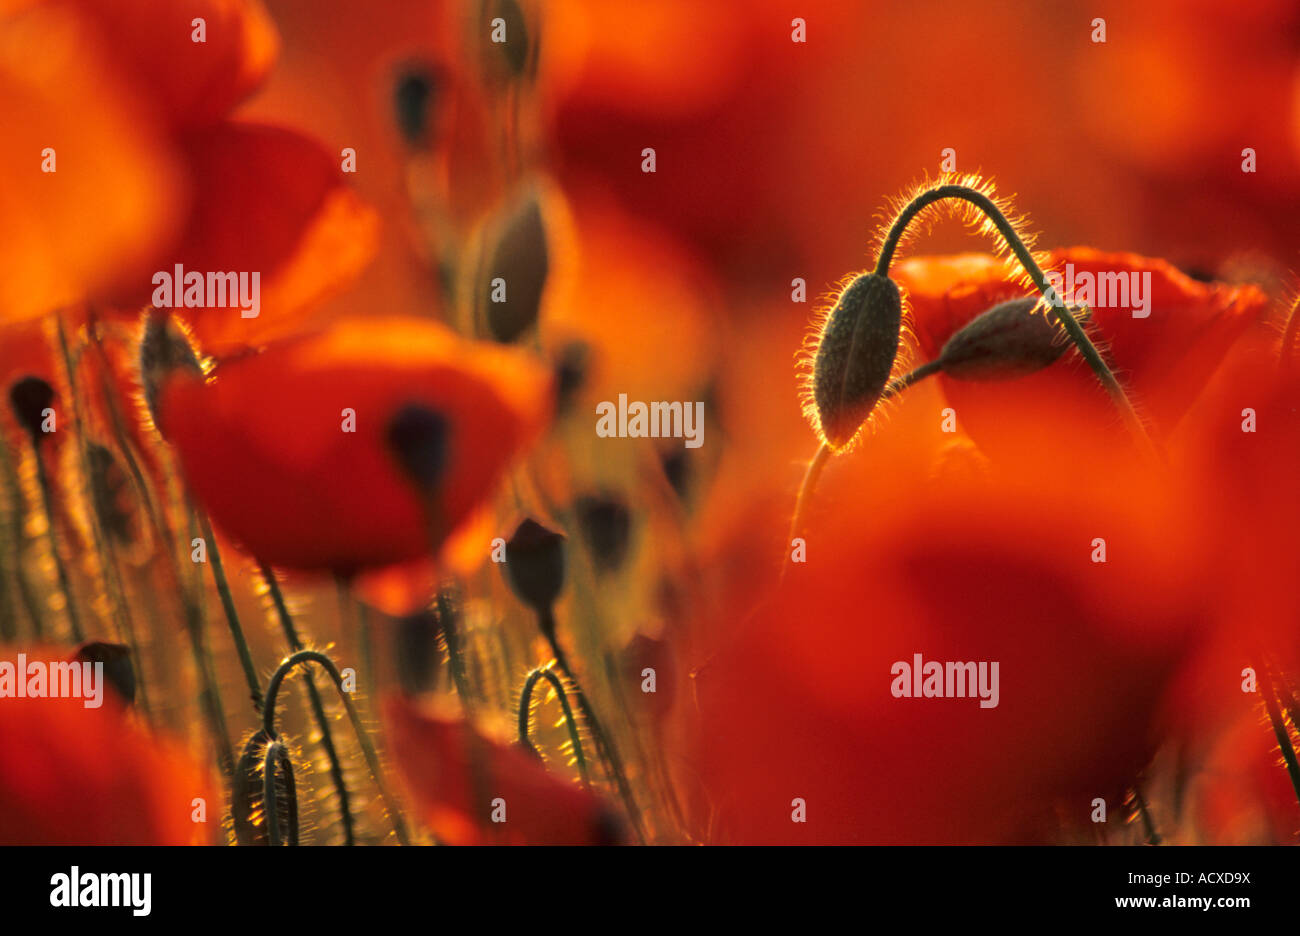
(418, 437)
(535, 565)
(1009, 340)
(415, 99)
(30, 397)
(856, 355)
(519, 264)
(118, 671)
(416, 656)
(606, 525)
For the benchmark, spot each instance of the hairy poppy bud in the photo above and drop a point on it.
(164, 348)
(517, 271)
(248, 790)
(606, 525)
(856, 355)
(535, 565)
(30, 397)
(1007, 341)
(118, 670)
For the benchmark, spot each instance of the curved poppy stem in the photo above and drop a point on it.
(317, 708)
(277, 755)
(363, 738)
(525, 712)
(1008, 231)
(604, 745)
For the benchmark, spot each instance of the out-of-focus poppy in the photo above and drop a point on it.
(272, 201)
(1242, 794)
(72, 775)
(975, 563)
(460, 779)
(290, 449)
(192, 81)
(1164, 357)
(92, 182)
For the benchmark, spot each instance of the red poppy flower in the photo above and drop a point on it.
(1164, 341)
(290, 451)
(971, 563)
(72, 775)
(460, 779)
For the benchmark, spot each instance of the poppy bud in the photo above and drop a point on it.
(415, 94)
(856, 355)
(247, 790)
(164, 349)
(417, 436)
(118, 670)
(1009, 340)
(606, 525)
(513, 45)
(517, 271)
(571, 366)
(30, 397)
(416, 645)
(535, 565)
(112, 495)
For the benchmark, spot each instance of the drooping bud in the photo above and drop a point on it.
(517, 270)
(248, 791)
(30, 397)
(856, 355)
(535, 565)
(1012, 339)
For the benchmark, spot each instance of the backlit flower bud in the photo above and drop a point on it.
(1007, 341)
(856, 355)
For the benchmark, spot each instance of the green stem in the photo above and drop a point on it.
(317, 707)
(1071, 325)
(1289, 337)
(363, 738)
(525, 716)
(899, 384)
(1148, 826)
(1279, 728)
(455, 653)
(806, 489)
(60, 567)
(228, 606)
(604, 744)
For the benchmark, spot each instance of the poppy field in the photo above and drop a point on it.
(699, 422)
